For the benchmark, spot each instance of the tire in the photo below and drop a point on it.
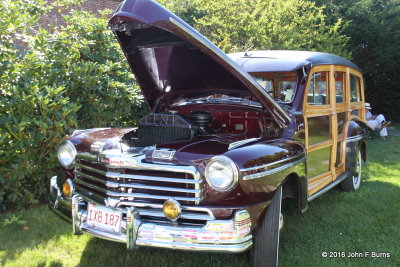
(353, 181)
(266, 244)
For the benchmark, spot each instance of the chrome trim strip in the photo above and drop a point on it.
(242, 142)
(91, 192)
(233, 65)
(90, 169)
(139, 204)
(86, 156)
(184, 214)
(273, 171)
(78, 181)
(89, 177)
(146, 206)
(132, 195)
(354, 138)
(136, 163)
(272, 163)
(140, 195)
(233, 248)
(328, 187)
(150, 187)
(117, 175)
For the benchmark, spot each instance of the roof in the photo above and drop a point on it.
(286, 60)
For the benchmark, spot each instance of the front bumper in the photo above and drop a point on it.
(217, 235)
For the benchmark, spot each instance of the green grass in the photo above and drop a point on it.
(365, 220)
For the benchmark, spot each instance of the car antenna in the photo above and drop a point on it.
(247, 50)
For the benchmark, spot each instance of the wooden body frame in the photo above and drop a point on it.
(316, 183)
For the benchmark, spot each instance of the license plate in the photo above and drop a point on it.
(104, 218)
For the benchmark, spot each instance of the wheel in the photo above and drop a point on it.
(353, 181)
(266, 244)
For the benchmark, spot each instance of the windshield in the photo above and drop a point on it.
(280, 85)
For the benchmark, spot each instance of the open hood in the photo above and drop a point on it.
(170, 59)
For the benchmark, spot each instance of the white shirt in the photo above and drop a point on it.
(368, 115)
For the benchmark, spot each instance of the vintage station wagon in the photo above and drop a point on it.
(226, 139)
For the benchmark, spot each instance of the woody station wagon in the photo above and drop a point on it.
(226, 139)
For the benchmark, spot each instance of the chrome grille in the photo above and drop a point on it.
(145, 187)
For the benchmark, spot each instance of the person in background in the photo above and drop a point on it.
(376, 122)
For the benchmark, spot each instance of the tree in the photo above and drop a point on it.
(237, 25)
(373, 28)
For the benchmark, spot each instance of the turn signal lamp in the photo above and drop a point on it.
(68, 188)
(172, 209)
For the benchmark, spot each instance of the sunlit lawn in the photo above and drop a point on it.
(364, 221)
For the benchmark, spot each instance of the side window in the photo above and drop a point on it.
(340, 83)
(355, 86)
(287, 89)
(318, 91)
(266, 83)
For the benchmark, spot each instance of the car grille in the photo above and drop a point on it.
(146, 189)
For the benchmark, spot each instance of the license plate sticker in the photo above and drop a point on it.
(104, 218)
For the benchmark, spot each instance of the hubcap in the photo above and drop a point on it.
(357, 172)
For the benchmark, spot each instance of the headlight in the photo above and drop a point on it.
(221, 173)
(66, 154)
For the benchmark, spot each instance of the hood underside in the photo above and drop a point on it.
(171, 60)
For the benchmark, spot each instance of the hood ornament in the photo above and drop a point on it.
(97, 147)
(163, 153)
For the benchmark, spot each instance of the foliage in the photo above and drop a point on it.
(73, 77)
(85, 57)
(373, 28)
(237, 25)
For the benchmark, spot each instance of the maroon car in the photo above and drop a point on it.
(226, 139)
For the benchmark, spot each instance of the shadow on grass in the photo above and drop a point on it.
(105, 253)
(27, 229)
(362, 221)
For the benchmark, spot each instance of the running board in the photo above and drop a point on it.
(328, 187)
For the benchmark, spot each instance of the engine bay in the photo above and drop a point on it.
(190, 121)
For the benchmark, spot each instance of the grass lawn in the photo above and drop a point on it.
(367, 220)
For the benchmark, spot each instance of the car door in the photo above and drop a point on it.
(321, 127)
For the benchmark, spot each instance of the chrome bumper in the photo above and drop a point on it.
(217, 235)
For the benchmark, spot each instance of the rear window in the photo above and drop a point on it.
(355, 85)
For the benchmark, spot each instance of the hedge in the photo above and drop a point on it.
(72, 77)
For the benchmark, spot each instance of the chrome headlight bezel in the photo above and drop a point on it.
(66, 162)
(230, 180)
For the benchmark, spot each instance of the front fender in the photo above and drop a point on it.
(356, 128)
(263, 167)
